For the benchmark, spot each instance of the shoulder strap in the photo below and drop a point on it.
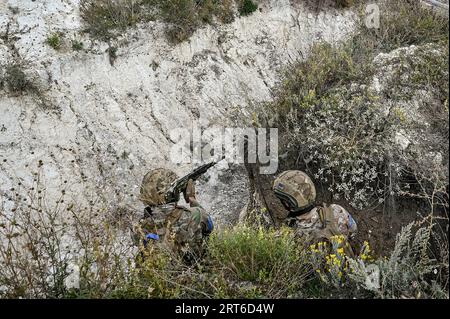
(327, 219)
(174, 215)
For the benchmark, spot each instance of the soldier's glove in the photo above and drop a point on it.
(189, 192)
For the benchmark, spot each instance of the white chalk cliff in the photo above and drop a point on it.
(101, 126)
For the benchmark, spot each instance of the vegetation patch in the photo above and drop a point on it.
(271, 262)
(338, 124)
(247, 7)
(61, 251)
(345, 3)
(183, 17)
(15, 79)
(402, 23)
(54, 41)
(106, 18)
(77, 45)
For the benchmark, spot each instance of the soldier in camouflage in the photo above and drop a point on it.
(297, 193)
(180, 229)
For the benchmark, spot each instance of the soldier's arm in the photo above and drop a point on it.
(193, 202)
(203, 220)
(189, 194)
(199, 212)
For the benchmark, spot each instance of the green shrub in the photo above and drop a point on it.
(15, 79)
(183, 17)
(242, 262)
(105, 17)
(77, 45)
(425, 70)
(272, 260)
(247, 7)
(54, 41)
(327, 67)
(402, 23)
(344, 3)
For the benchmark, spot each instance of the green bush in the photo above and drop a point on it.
(344, 3)
(273, 261)
(242, 262)
(402, 23)
(77, 45)
(54, 41)
(183, 17)
(247, 7)
(105, 17)
(15, 79)
(327, 67)
(410, 271)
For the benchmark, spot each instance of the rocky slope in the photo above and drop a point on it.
(100, 121)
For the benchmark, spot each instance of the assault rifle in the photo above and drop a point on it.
(178, 186)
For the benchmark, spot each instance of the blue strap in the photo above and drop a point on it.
(351, 221)
(150, 236)
(210, 224)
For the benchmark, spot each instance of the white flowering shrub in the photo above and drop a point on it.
(366, 124)
(340, 133)
(344, 145)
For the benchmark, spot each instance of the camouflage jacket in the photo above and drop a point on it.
(179, 228)
(324, 222)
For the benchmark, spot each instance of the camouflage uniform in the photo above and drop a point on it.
(339, 221)
(178, 228)
(297, 193)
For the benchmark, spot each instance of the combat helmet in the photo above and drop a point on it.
(296, 190)
(155, 185)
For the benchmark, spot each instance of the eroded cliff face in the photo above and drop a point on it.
(101, 121)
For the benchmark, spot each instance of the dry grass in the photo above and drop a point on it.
(105, 19)
(58, 250)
